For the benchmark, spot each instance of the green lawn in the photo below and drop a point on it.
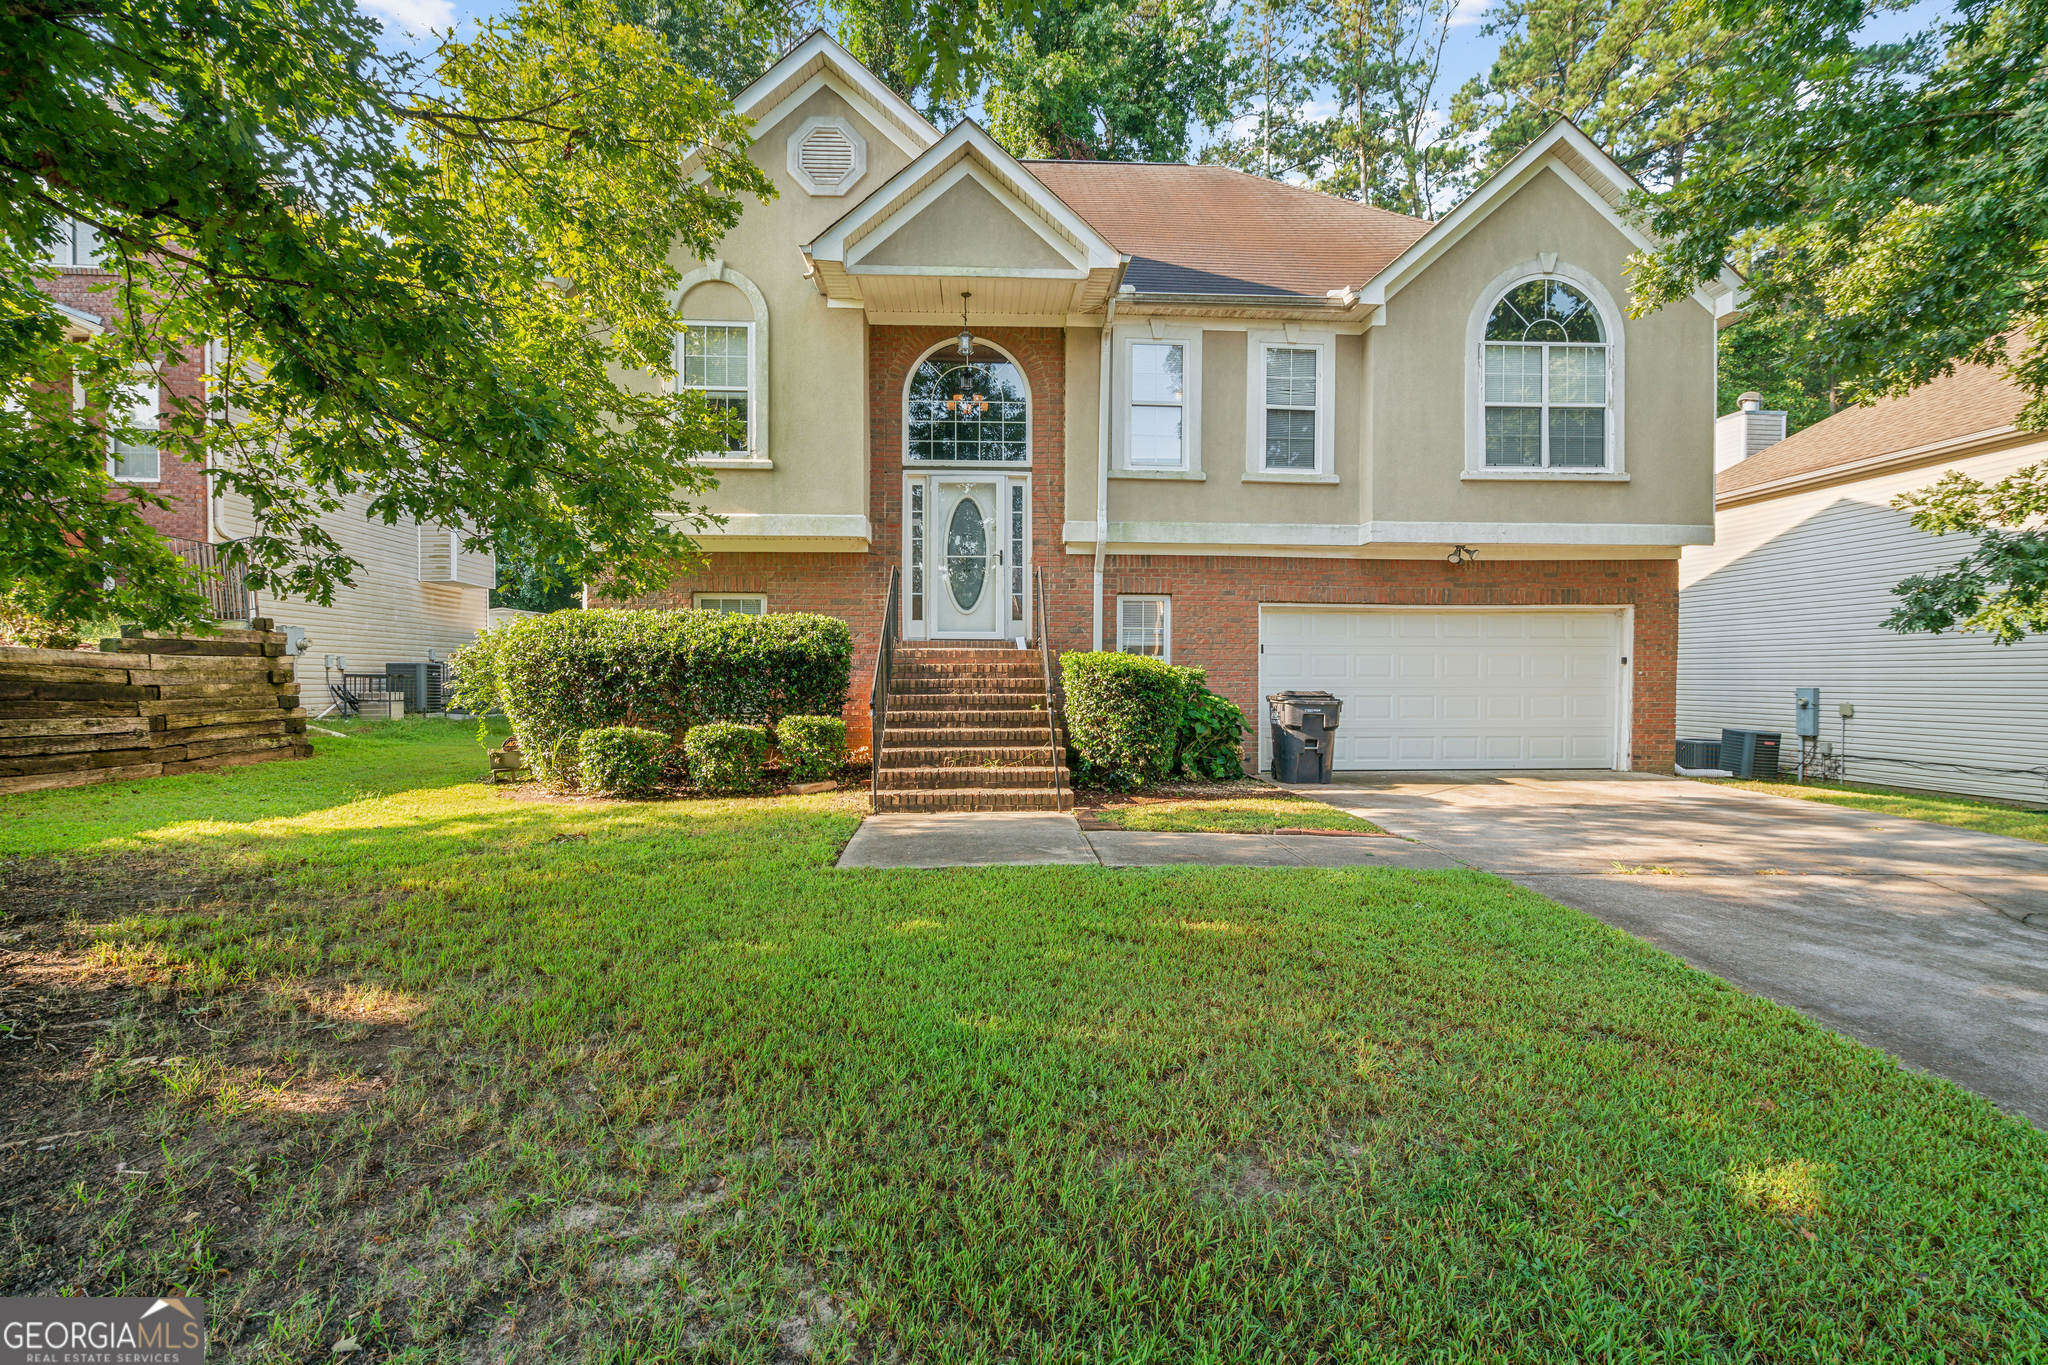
(1960, 811)
(398, 1057)
(1232, 815)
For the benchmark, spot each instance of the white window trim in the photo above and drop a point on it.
(1545, 267)
(1189, 339)
(802, 177)
(1165, 602)
(142, 370)
(697, 599)
(1257, 343)
(756, 456)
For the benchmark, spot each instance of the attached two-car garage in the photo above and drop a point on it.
(1474, 688)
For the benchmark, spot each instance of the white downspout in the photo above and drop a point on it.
(1102, 400)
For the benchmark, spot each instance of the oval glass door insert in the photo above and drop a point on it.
(966, 553)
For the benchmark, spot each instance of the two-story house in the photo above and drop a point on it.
(418, 593)
(1435, 468)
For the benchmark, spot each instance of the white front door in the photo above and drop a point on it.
(968, 559)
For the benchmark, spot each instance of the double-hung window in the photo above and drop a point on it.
(717, 360)
(1290, 408)
(1544, 367)
(77, 244)
(132, 452)
(1159, 406)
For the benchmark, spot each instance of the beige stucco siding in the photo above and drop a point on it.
(388, 616)
(965, 228)
(816, 394)
(1421, 370)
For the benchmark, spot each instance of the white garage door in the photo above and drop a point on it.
(1452, 689)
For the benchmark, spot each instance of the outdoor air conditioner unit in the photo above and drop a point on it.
(418, 683)
(1699, 753)
(1750, 753)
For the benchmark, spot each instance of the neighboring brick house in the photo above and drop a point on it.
(416, 591)
(1435, 468)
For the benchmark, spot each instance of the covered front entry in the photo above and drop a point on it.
(1471, 688)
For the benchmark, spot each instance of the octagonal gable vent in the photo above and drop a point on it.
(826, 156)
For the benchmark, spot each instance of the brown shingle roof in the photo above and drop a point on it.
(1975, 398)
(1212, 230)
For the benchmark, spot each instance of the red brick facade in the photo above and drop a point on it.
(1215, 597)
(182, 481)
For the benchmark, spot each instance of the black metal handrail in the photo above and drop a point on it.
(1052, 712)
(878, 703)
(227, 596)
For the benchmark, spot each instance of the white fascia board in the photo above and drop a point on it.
(1954, 448)
(89, 323)
(1537, 156)
(966, 139)
(802, 69)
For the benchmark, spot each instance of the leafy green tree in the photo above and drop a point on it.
(1639, 76)
(528, 583)
(1389, 143)
(1271, 134)
(1903, 187)
(1127, 80)
(419, 283)
(727, 42)
(1773, 354)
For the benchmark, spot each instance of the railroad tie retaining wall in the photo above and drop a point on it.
(147, 705)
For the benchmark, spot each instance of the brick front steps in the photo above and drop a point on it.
(966, 730)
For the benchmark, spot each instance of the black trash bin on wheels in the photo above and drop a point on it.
(1304, 735)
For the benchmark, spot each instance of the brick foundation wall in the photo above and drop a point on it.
(1215, 597)
(182, 481)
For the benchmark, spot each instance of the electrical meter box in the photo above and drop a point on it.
(1806, 720)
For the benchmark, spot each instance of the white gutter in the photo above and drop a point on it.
(1102, 462)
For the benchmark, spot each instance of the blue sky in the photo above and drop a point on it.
(1468, 53)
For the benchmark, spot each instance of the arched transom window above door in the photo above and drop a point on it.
(967, 411)
(1548, 381)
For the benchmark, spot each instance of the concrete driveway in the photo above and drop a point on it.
(1927, 941)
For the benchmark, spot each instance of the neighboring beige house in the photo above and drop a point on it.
(1796, 587)
(1436, 468)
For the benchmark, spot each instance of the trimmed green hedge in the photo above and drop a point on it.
(726, 757)
(621, 760)
(1133, 720)
(558, 675)
(813, 747)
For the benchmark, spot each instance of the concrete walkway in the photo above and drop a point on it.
(995, 839)
(1927, 941)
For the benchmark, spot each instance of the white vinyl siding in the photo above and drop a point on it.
(1144, 625)
(1453, 689)
(1794, 593)
(389, 615)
